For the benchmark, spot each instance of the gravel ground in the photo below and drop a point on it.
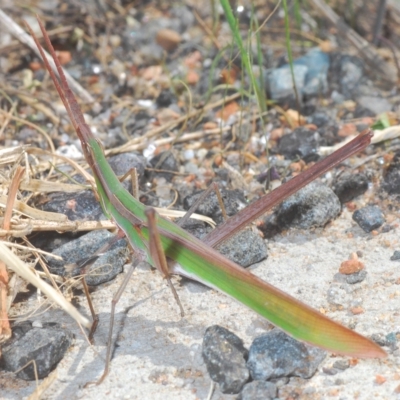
(159, 354)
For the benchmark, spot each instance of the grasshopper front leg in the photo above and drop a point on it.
(157, 254)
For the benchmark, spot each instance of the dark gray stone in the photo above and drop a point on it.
(313, 206)
(320, 119)
(389, 340)
(225, 357)
(258, 390)
(357, 277)
(341, 364)
(391, 179)
(395, 256)
(166, 98)
(369, 218)
(245, 248)
(275, 354)
(124, 162)
(302, 143)
(349, 186)
(330, 370)
(347, 72)
(165, 161)
(233, 200)
(379, 338)
(76, 206)
(103, 269)
(46, 346)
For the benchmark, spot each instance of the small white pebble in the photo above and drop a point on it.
(37, 324)
(201, 154)
(148, 152)
(145, 103)
(188, 154)
(96, 69)
(70, 151)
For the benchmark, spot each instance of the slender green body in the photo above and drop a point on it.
(200, 262)
(191, 257)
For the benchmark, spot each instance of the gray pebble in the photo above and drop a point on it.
(395, 256)
(76, 206)
(258, 390)
(391, 179)
(375, 104)
(245, 248)
(103, 269)
(225, 357)
(162, 162)
(280, 83)
(349, 186)
(313, 206)
(357, 277)
(233, 200)
(369, 218)
(302, 142)
(275, 354)
(341, 364)
(46, 346)
(124, 162)
(330, 370)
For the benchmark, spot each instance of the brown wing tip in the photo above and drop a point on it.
(365, 350)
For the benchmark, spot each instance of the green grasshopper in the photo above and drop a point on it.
(172, 250)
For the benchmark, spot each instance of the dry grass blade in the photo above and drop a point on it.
(12, 193)
(24, 209)
(5, 328)
(25, 272)
(36, 185)
(11, 155)
(23, 227)
(392, 132)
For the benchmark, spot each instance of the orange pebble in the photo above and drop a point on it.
(192, 77)
(356, 310)
(350, 267)
(64, 57)
(35, 66)
(379, 379)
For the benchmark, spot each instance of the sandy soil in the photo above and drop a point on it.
(158, 355)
